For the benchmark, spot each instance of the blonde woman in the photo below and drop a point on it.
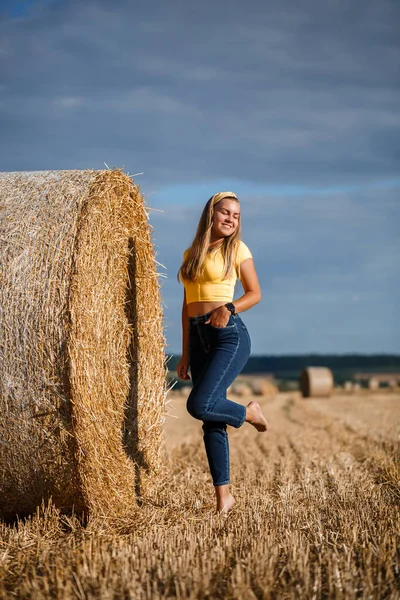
(215, 341)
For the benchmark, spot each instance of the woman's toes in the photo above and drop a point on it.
(256, 417)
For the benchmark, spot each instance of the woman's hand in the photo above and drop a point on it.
(219, 317)
(182, 369)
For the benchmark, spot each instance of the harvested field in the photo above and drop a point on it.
(317, 516)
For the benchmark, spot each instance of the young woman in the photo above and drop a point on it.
(215, 341)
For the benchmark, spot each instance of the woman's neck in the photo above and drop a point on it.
(215, 242)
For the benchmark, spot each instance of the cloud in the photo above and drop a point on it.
(67, 102)
(292, 105)
(279, 93)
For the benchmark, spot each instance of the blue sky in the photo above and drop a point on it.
(292, 105)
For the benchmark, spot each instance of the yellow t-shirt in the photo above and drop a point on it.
(210, 287)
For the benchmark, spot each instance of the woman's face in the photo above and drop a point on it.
(226, 218)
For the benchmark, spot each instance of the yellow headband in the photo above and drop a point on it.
(217, 197)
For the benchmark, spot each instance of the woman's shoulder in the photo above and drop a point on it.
(242, 245)
(243, 251)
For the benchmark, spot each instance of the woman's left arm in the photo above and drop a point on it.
(251, 296)
(251, 286)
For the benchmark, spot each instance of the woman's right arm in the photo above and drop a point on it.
(183, 365)
(185, 328)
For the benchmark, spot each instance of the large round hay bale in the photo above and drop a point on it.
(82, 372)
(263, 387)
(316, 382)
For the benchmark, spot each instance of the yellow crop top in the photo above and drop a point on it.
(210, 287)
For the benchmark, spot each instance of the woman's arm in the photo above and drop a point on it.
(251, 296)
(185, 328)
(251, 286)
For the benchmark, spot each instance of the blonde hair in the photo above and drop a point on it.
(192, 265)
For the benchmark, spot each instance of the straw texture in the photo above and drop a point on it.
(82, 371)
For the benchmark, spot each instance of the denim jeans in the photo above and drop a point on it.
(216, 356)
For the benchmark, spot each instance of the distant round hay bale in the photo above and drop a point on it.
(373, 383)
(185, 390)
(82, 371)
(241, 389)
(348, 386)
(263, 387)
(316, 382)
(356, 387)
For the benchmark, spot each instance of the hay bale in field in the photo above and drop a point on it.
(263, 387)
(316, 382)
(393, 384)
(82, 372)
(373, 383)
(241, 389)
(348, 386)
(185, 390)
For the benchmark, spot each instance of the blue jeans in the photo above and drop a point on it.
(216, 356)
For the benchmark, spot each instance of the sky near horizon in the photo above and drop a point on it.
(292, 105)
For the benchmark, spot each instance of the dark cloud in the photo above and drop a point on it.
(282, 91)
(300, 95)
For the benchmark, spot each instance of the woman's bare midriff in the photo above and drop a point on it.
(201, 308)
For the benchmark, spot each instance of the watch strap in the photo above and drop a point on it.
(230, 306)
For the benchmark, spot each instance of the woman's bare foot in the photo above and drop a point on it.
(255, 417)
(225, 500)
(225, 507)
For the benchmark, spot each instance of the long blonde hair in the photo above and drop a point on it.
(192, 266)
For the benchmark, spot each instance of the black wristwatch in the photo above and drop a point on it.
(230, 306)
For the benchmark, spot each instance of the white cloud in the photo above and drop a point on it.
(68, 102)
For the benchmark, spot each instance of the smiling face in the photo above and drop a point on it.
(226, 218)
